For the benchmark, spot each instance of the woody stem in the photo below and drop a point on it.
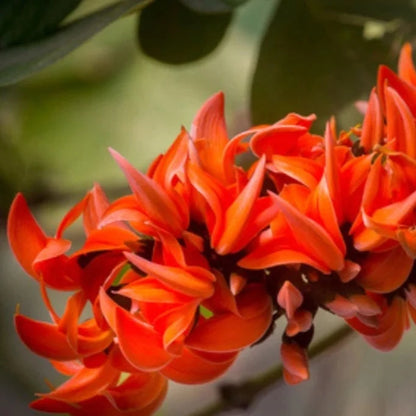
(242, 395)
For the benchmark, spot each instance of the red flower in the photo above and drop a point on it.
(196, 263)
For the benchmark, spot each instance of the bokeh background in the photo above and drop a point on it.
(275, 57)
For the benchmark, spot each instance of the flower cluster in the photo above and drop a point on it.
(203, 256)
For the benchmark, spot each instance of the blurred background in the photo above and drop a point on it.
(274, 57)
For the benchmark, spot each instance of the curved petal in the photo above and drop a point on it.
(85, 384)
(239, 211)
(69, 321)
(311, 236)
(139, 391)
(174, 323)
(305, 171)
(214, 195)
(406, 68)
(153, 200)
(192, 368)
(108, 238)
(274, 254)
(383, 223)
(53, 248)
(385, 272)
(330, 184)
(394, 323)
(229, 332)
(71, 216)
(295, 363)
(321, 209)
(405, 90)
(407, 239)
(44, 339)
(127, 209)
(209, 133)
(140, 343)
(278, 139)
(401, 128)
(373, 126)
(95, 206)
(177, 278)
(149, 289)
(289, 298)
(26, 238)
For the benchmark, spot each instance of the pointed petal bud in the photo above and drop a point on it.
(295, 363)
(289, 298)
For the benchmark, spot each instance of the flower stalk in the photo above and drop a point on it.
(243, 395)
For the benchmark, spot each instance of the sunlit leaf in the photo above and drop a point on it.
(212, 6)
(21, 61)
(312, 62)
(173, 33)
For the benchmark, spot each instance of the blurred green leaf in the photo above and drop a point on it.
(375, 9)
(310, 63)
(171, 32)
(212, 6)
(24, 21)
(15, 173)
(19, 62)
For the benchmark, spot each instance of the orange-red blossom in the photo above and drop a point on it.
(203, 256)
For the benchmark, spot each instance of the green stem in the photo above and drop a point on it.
(242, 395)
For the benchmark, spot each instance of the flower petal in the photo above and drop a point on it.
(238, 213)
(209, 134)
(373, 126)
(195, 284)
(401, 128)
(311, 236)
(192, 368)
(140, 343)
(289, 298)
(404, 89)
(228, 332)
(406, 68)
(85, 384)
(295, 363)
(153, 201)
(385, 272)
(26, 238)
(44, 339)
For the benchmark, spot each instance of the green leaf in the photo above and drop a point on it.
(374, 9)
(23, 21)
(175, 34)
(212, 6)
(313, 63)
(19, 62)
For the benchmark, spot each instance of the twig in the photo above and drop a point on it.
(242, 395)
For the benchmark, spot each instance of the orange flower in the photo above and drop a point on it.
(307, 228)
(98, 390)
(167, 309)
(200, 259)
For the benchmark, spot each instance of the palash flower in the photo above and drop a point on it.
(156, 268)
(181, 296)
(43, 257)
(99, 390)
(385, 225)
(203, 256)
(85, 351)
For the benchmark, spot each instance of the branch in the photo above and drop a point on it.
(242, 395)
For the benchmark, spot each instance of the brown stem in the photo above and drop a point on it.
(242, 395)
